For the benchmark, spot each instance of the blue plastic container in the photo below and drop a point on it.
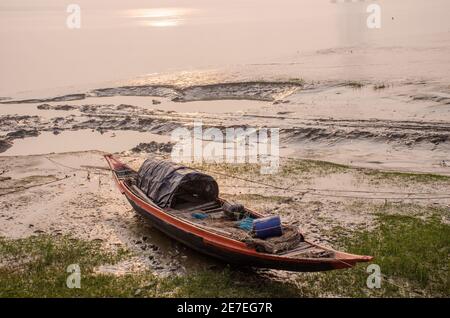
(267, 227)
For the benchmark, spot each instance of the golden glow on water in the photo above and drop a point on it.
(159, 17)
(161, 23)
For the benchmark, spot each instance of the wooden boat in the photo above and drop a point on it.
(217, 235)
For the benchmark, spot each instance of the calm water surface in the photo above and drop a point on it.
(121, 39)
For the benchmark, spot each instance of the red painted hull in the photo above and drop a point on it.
(221, 246)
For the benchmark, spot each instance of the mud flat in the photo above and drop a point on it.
(359, 159)
(401, 125)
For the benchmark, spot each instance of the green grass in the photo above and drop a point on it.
(229, 283)
(394, 176)
(36, 267)
(301, 167)
(235, 169)
(306, 168)
(288, 167)
(411, 252)
(411, 249)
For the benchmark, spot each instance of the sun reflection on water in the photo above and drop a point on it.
(159, 17)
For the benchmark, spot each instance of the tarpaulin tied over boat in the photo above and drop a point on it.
(165, 183)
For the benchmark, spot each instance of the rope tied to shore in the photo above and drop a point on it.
(23, 188)
(314, 192)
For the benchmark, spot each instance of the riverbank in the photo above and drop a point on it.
(51, 202)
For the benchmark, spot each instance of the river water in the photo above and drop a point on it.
(118, 40)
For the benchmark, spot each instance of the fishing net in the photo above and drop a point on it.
(279, 244)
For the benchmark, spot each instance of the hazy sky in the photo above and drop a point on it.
(121, 39)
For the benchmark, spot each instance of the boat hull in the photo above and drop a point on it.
(197, 243)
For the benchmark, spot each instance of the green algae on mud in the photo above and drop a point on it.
(307, 168)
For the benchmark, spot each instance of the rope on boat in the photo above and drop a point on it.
(344, 191)
(310, 191)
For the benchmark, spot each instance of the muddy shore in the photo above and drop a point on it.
(73, 194)
(358, 123)
(348, 148)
